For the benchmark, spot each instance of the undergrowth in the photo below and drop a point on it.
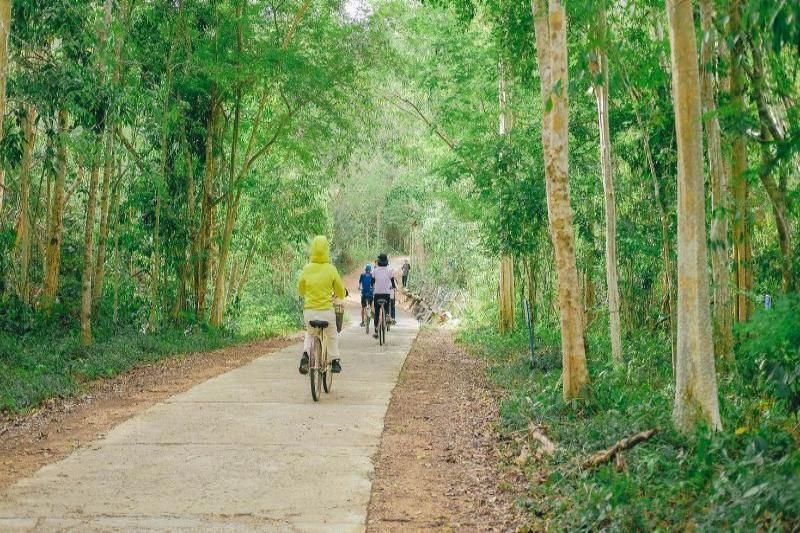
(744, 478)
(41, 356)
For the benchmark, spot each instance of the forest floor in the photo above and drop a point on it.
(439, 462)
(62, 425)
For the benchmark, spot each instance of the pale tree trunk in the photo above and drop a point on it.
(88, 248)
(25, 224)
(53, 254)
(600, 70)
(550, 29)
(696, 397)
(5, 30)
(723, 317)
(506, 292)
(741, 229)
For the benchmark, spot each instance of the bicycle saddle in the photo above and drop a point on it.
(382, 301)
(322, 324)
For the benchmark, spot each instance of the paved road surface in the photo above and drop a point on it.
(247, 450)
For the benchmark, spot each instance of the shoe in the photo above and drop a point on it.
(393, 321)
(375, 335)
(304, 363)
(361, 325)
(336, 366)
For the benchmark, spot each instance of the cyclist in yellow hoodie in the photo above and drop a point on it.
(318, 285)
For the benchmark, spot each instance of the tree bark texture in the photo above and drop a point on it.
(723, 314)
(696, 398)
(53, 253)
(600, 71)
(550, 29)
(5, 31)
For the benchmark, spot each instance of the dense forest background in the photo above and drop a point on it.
(164, 164)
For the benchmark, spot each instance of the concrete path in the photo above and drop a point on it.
(248, 450)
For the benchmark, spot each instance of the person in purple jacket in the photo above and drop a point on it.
(383, 284)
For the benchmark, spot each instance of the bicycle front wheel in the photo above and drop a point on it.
(315, 370)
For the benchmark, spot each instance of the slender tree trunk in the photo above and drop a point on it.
(24, 228)
(115, 194)
(202, 248)
(88, 252)
(5, 30)
(53, 256)
(723, 317)
(738, 171)
(600, 70)
(696, 397)
(550, 30)
(218, 303)
(108, 170)
(506, 292)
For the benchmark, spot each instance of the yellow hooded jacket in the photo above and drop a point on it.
(320, 278)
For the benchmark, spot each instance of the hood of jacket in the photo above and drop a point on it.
(320, 250)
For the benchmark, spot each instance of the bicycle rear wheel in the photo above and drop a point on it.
(382, 328)
(367, 320)
(314, 370)
(327, 379)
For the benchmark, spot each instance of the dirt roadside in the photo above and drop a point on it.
(62, 425)
(437, 467)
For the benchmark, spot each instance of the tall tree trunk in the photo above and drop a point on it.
(600, 71)
(202, 248)
(5, 30)
(218, 303)
(550, 29)
(506, 292)
(53, 255)
(723, 317)
(739, 184)
(696, 397)
(24, 228)
(88, 251)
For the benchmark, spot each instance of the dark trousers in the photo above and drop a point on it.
(392, 312)
(405, 280)
(386, 298)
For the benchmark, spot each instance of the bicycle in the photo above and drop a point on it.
(367, 317)
(383, 325)
(319, 366)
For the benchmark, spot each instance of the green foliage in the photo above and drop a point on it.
(742, 479)
(39, 365)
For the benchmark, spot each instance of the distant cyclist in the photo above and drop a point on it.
(318, 285)
(383, 285)
(405, 269)
(365, 285)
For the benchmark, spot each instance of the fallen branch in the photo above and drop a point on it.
(605, 456)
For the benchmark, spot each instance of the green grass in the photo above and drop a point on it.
(37, 366)
(744, 478)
